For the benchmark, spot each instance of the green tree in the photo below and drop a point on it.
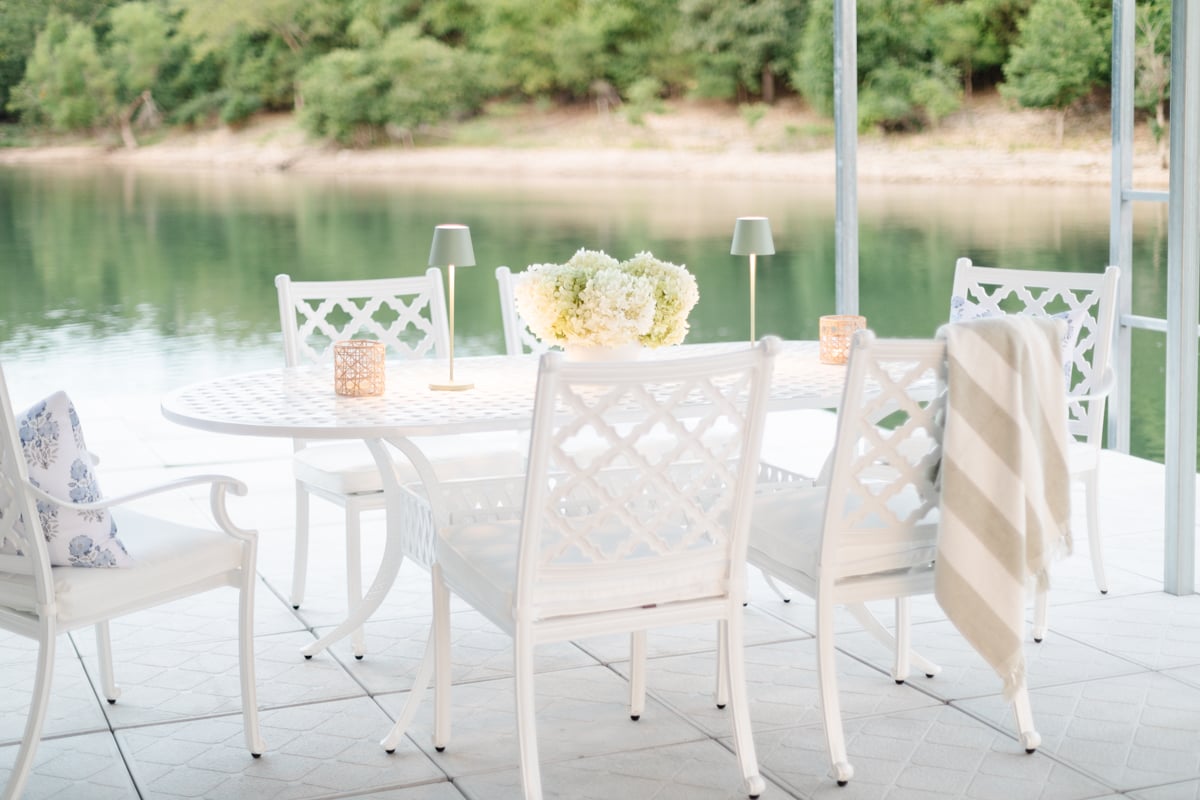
(1152, 68)
(739, 48)
(518, 35)
(405, 83)
(20, 22)
(66, 83)
(602, 45)
(901, 82)
(137, 48)
(1053, 63)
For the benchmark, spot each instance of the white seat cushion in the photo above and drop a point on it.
(349, 468)
(479, 561)
(170, 557)
(786, 528)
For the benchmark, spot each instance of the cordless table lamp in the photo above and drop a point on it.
(451, 248)
(752, 237)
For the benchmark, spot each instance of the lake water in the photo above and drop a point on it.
(118, 281)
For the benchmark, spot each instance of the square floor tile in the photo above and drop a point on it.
(86, 767)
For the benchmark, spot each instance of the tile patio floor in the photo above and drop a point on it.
(1115, 685)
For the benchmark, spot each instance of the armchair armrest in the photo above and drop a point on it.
(221, 486)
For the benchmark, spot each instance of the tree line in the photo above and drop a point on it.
(368, 71)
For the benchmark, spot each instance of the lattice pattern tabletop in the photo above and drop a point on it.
(301, 402)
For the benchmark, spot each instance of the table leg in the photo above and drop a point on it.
(394, 544)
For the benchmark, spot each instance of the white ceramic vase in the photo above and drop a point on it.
(582, 352)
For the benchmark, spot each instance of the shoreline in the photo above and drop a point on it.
(986, 145)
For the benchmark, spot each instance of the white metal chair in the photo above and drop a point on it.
(409, 316)
(870, 531)
(631, 536)
(172, 560)
(518, 338)
(1089, 302)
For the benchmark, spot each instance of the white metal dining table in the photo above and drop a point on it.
(300, 402)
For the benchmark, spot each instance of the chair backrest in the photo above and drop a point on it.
(883, 493)
(1089, 302)
(22, 546)
(658, 514)
(406, 314)
(518, 339)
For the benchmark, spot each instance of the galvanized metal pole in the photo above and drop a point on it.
(1183, 297)
(845, 120)
(1120, 219)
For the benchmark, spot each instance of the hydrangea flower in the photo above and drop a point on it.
(595, 300)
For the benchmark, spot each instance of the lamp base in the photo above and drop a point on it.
(453, 386)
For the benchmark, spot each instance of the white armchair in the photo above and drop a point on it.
(170, 560)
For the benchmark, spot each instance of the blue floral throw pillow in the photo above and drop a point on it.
(60, 465)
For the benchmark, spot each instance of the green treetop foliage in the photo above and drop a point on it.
(738, 49)
(902, 83)
(1053, 63)
(66, 84)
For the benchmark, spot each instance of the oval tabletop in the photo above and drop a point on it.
(300, 401)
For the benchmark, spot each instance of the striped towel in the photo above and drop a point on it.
(1005, 482)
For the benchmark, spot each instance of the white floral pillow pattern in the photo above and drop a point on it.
(962, 309)
(59, 464)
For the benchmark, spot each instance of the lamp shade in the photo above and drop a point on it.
(451, 245)
(752, 236)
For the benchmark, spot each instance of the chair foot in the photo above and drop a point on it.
(358, 658)
(720, 705)
(787, 599)
(755, 786)
(1104, 591)
(899, 681)
(843, 772)
(1031, 740)
(635, 717)
(441, 749)
(112, 701)
(389, 752)
(1038, 639)
(296, 607)
(308, 658)
(928, 674)
(256, 755)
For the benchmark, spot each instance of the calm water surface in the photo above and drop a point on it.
(120, 281)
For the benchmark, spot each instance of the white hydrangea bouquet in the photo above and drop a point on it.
(595, 301)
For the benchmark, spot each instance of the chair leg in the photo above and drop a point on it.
(300, 557)
(776, 588)
(108, 683)
(354, 590)
(253, 735)
(1039, 613)
(722, 687)
(441, 644)
(37, 714)
(831, 708)
(1030, 739)
(1092, 491)
(901, 668)
(743, 738)
(885, 637)
(637, 674)
(526, 721)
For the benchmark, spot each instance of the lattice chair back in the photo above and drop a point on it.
(22, 548)
(406, 314)
(518, 338)
(883, 494)
(659, 514)
(1087, 301)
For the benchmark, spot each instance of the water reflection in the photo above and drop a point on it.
(119, 280)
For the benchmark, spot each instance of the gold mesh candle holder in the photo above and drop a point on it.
(837, 331)
(358, 368)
